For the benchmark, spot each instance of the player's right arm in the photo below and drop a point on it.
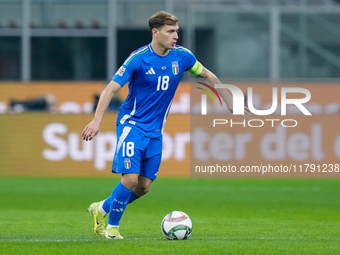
(92, 129)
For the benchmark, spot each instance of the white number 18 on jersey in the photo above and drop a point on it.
(163, 82)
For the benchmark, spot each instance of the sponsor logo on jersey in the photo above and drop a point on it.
(121, 71)
(175, 68)
(127, 163)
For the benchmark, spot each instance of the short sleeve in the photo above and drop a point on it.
(125, 72)
(190, 60)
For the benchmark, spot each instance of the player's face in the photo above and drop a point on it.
(167, 36)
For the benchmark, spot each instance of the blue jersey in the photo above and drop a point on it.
(153, 81)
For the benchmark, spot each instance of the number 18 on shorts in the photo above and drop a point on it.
(136, 153)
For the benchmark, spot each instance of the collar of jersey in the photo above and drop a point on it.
(151, 49)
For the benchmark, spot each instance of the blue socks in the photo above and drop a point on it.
(133, 197)
(106, 203)
(116, 203)
(119, 199)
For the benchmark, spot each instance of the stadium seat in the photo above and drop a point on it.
(95, 24)
(12, 23)
(79, 24)
(61, 24)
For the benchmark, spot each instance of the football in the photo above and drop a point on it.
(176, 225)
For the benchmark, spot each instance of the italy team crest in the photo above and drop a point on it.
(175, 68)
(127, 163)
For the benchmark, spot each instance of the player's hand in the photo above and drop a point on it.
(90, 131)
(247, 113)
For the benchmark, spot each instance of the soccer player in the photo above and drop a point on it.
(153, 72)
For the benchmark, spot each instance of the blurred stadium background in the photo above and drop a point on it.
(70, 40)
(57, 55)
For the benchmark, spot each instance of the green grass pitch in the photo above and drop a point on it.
(230, 216)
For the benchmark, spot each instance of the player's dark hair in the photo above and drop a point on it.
(162, 18)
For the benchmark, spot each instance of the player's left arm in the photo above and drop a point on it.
(211, 79)
(199, 70)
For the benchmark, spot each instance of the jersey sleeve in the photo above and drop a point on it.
(126, 71)
(193, 65)
(190, 59)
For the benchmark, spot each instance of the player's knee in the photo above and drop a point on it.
(145, 189)
(142, 190)
(129, 180)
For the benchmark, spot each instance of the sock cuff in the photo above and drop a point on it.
(111, 226)
(124, 192)
(120, 184)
